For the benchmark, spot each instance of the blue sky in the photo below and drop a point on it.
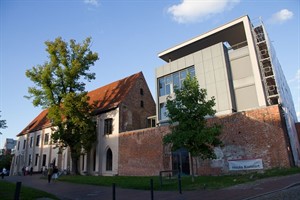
(128, 35)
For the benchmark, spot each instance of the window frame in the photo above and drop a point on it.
(108, 126)
(168, 83)
(46, 139)
(37, 143)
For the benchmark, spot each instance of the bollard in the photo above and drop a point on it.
(151, 188)
(179, 183)
(18, 190)
(114, 191)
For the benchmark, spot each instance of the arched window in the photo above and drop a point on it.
(109, 159)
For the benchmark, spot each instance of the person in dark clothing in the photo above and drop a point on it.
(23, 170)
(50, 172)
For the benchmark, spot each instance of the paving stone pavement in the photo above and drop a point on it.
(283, 188)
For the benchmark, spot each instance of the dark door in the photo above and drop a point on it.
(181, 161)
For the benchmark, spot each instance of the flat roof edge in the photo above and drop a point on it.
(204, 35)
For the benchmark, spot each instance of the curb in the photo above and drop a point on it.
(274, 191)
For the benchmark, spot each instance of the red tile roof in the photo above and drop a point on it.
(106, 98)
(111, 95)
(38, 123)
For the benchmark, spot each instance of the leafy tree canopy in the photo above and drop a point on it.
(2, 124)
(59, 87)
(187, 113)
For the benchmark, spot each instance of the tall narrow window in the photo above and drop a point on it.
(141, 91)
(18, 145)
(109, 158)
(24, 144)
(94, 158)
(44, 159)
(168, 84)
(36, 159)
(108, 126)
(83, 156)
(31, 142)
(37, 140)
(162, 111)
(161, 83)
(29, 160)
(142, 104)
(176, 81)
(46, 140)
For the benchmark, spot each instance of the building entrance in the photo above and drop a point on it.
(180, 161)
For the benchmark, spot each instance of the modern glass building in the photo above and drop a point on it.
(236, 63)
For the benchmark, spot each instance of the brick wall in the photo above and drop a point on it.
(133, 115)
(249, 135)
(141, 153)
(246, 135)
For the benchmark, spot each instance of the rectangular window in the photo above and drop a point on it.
(82, 162)
(36, 159)
(24, 144)
(151, 123)
(29, 160)
(108, 126)
(162, 111)
(182, 77)
(31, 142)
(161, 83)
(176, 81)
(168, 83)
(18, 145)
(44, 159)
(37, 140)
(191, 71)
(46, 140)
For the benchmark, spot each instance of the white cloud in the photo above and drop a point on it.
(91, 2)
(281, 16)
(296, 78)
(189, 11)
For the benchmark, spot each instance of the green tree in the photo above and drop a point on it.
(59, 87)
(187, 113)
(2, 124)
(5, 161)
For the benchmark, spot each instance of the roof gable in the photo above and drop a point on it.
(111, 95)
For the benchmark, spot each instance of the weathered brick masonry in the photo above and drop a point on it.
(246, 135)
(141, 152)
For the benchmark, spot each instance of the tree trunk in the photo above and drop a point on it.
(192, 169)
(75, 159)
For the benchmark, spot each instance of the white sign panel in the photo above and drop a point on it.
(245, 164)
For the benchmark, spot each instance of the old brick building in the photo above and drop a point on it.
(123, 105)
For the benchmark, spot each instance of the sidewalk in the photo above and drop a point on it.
(70, 191)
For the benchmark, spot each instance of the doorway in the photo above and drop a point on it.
(181, 161)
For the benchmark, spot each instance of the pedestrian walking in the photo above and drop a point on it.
(50, 173)
(31, 171)
(55, 173)
(23, 170)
